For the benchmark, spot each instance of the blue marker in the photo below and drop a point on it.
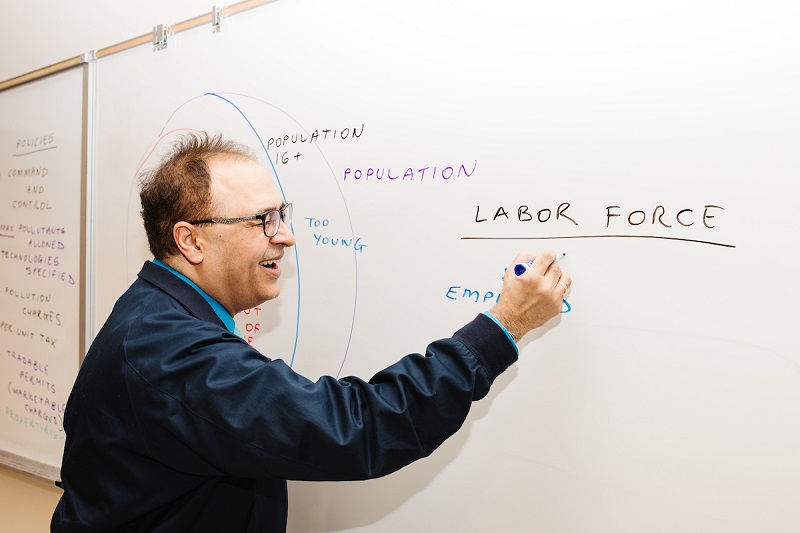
(520, 268)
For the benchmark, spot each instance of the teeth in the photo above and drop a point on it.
(267, 263)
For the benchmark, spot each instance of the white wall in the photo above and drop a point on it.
(36, 33)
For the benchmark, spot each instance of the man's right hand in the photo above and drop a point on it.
(534, 297)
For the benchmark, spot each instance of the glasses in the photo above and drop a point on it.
(271, 220)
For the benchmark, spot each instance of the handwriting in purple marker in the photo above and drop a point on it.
(430, 173)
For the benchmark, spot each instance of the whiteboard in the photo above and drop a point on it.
(41, 258)
(656, 145)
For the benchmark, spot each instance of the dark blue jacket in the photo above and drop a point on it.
(174, 424)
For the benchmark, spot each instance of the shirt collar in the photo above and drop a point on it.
(223, 315)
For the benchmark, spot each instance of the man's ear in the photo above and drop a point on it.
(187, 238)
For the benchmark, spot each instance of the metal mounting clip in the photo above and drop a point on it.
(159, 37)
(216, 19)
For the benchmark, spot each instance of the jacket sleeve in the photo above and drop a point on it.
(209, 404)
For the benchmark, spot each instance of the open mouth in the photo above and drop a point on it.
(272, 265)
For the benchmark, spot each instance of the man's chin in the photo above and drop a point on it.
(271, 296)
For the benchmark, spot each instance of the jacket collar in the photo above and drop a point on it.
(181, 291)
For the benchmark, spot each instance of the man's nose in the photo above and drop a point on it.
(285, 236)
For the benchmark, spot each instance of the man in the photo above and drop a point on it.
(176, 424)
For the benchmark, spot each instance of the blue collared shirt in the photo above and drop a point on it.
(223, 315)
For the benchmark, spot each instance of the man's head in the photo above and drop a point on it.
(180, 188)
(209, 179)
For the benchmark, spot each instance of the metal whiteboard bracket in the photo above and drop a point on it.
(89, 56)
(216, 19)
(159, 37)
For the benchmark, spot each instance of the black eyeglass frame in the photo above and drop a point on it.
(285, 211)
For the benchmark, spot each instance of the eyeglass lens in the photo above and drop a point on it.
(272, 220)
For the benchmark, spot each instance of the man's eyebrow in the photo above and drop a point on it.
(267, 209)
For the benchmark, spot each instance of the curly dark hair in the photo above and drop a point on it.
(179, 188)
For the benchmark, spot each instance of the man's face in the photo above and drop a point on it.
(240, 264)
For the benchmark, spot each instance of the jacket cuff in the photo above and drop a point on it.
(490, 344)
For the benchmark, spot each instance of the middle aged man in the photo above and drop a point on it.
(177, 424)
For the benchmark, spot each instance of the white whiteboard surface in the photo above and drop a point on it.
(667, 399)
(41, 232)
